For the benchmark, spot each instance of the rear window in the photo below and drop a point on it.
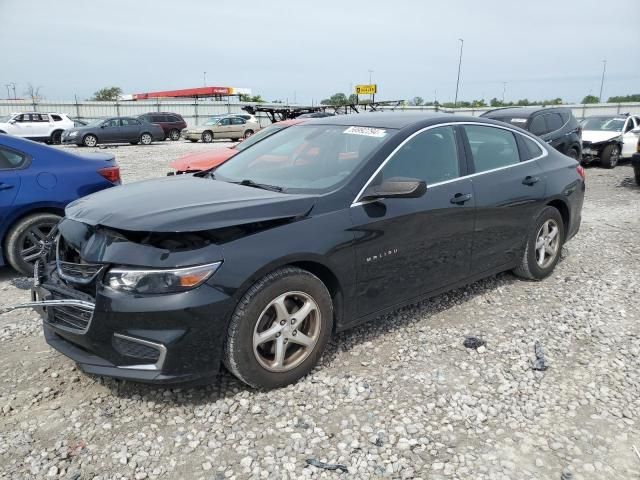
(56, 118)
(531, 149)
(10, 159)
(173, 119)
(554, 122)
(538, 125)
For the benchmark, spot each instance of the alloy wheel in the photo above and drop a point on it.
(33, 240)
(207, 137)
(615, 156)
(90, 141)
(547, 243)
(145, 139)
(174, 135)
(287, 331)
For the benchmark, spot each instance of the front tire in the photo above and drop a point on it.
(573, 153)
(56, 137)
(90, 140)
(146, 139)
(26, 238)
(544, 243)
(248, 133)
(207, 137)
(266, 345)
(610, 156)
(174, 135)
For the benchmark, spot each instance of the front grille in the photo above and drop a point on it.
(133, 349)
(70, 265)
(69, 317)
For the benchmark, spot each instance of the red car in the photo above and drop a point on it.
(196, 162)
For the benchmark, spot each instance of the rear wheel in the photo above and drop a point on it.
(573, 153)
(26, 240)
(174, 134)
(610, 156)
(207, 137)
(248, 133)
(544, 243)
(90, 140)
(279, 329)
(146, 139)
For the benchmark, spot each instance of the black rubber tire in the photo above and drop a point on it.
(636, 171)
(207, 136)
(605, 158)
(248, 133)
(238, 355)
(142, 135)
(174, 134)
(528, 267)
(15, 236)
(84, 140)
(56, 137)
(573, 153)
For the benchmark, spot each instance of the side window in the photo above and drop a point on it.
(431, 156)
(114, 122)
(11, 159)
(157, 118)
(56, 118)
(630, 126)
(225, 121)
(126, 122)
(44, 117)
(538, 126)
(531, 149)
(492, 147)
(238, 121)
(554, 122)
(174, 119)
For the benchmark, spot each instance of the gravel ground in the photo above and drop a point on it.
(399, 397)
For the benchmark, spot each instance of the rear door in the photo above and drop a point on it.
(40, 125)
(130, 129)
(553, 136)
(11, 163)
(237, 126)
(509, 189)
(406, 247)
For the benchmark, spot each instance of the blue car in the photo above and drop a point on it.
(36, 183)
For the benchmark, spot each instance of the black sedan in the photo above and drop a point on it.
(308, 232)
(114, 130)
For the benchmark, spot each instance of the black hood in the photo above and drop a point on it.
(185, 203)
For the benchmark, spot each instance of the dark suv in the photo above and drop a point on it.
(555, 125)
(171, 123)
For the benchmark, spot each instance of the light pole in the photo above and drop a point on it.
(8, 95)
(455, 101)
(604, 69)
(371, 97)
(504, 89)
(205, 78)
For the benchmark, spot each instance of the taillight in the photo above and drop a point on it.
(580, 170)
(111, 173)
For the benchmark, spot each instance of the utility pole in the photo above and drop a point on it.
(504, 89)
(455, 101)
(205, 78)
(604, 69)
(371, 97)
(8, 94)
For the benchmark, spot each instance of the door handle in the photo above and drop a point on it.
(461, 198)
(5, 186)
(529, 180)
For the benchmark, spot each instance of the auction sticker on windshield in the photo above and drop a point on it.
(366, 131)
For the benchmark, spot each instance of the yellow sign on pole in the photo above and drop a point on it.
(367, 89)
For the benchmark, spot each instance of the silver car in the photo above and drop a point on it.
(233, 127)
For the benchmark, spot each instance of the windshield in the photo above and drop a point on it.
(304, 158)
(261, 135)
(607, 124)
(95, 123)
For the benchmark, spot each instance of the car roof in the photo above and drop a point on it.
(521, 111)
(396, 120)
(291, 121)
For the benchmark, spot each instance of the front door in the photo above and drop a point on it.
(110, 131)
(509, 189)
(406, 247)
(629, 138)
(223, 129)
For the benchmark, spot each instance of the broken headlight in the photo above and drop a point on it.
(149, 281)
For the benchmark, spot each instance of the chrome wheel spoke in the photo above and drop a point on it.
(303, 312)
(552, 233)
(30, 258)
(279, 354)
(541, 253)
(301, 339)
(268, 335)
(281, 309)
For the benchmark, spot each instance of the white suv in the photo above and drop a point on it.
(46, 127)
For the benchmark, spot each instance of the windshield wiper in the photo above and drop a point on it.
(250, 183)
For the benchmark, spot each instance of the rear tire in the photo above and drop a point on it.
(610, 156)
(573, 153)
(23, 245)
(540, 255)
(174, 135)
(207, 137)
(249, 359)
(248, 133)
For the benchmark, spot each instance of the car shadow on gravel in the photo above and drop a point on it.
(16, 279)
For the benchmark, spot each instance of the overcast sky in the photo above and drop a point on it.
(310, 50)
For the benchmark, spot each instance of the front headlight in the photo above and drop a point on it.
(149, 281)
(73, 134)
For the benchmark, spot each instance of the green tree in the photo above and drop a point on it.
(417, 101)
(248, 98)
(336, 100)
(353, 99)
(107, 94)
(625, 98)
(591, 99)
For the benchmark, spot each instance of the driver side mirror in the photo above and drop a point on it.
(104, 125)
(396, 188)
(12, 121)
